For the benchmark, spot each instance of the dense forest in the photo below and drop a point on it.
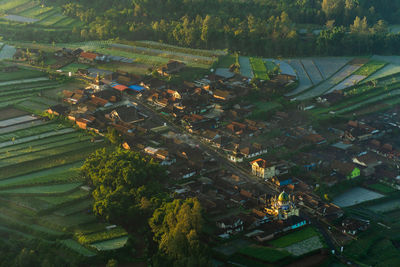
(258, 27)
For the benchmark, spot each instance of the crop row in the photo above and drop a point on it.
(47, 162)
(32, 149)
(31, 131)
(46, 140)
(100, 236)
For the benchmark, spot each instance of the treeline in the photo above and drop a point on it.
(257, 27)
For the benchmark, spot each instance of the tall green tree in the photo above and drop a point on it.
(177, 227)
(124, 182)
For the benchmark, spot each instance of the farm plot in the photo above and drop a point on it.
(302, 76)
(44, 147)
(60, 200)
(18, 77)
(312, 71)
(284, 67)
(330, 65)
(245, 67)
(331, 82)
(10, 112)
(65, 173)
(7, 5)
(34, 137)
(174, 48)
(111, 244)
(85, 205)
(386, 206)
(348, 82)
(31, 131)
(305, 246)
(69, 222)
(102, 236)
(388, 70)
(371, 100)
(294, 237)
(259, 69)
(264, 254)
(75, 246)
(355, 196)
(7, 52)
(163, 52)
(21, 157)
(17, 120)
(42, 190)
(20, 19)
(21, 126)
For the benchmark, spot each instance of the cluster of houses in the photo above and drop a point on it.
(211, 109)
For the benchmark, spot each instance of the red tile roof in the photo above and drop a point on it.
(88, 55)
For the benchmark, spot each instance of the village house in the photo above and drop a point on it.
(126, 114)
(230, 226)
(87, 58)
(262, 168)
(58, 110)
(346, 169)
(352, 226)
(172, 67)
(282, 180)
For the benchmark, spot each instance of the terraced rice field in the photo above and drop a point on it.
(313, 72)
(331, 82)
(355, 196)
(7, 52)
(110, 244)
(284, 67)
(40, 186)
(330, 65)
(302, 76)
(245, 67)
(26, 11)
(348, 82)
(20, 19)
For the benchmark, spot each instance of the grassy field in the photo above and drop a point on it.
(370, 68)
(264, 253)
(21, 74)
(49, 16)
(73, 67)
(382, 188)
(259, 68)
(110, 244)
(294, 237)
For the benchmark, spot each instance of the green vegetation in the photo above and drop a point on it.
(45, 189)
(73, 67)
(122, 179)
(100, 236)
(21, 74)
(370, 68)
(264, 253)
(259, 69)
(226, 61)
(382, 188)
(72, 244)
(177, 226)
(295, 237)
(110, 244)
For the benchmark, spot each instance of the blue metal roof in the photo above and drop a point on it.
(137, 88)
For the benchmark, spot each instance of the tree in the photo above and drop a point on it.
(177, 226)
(121, 179)
(113, 136)
(332, 8)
